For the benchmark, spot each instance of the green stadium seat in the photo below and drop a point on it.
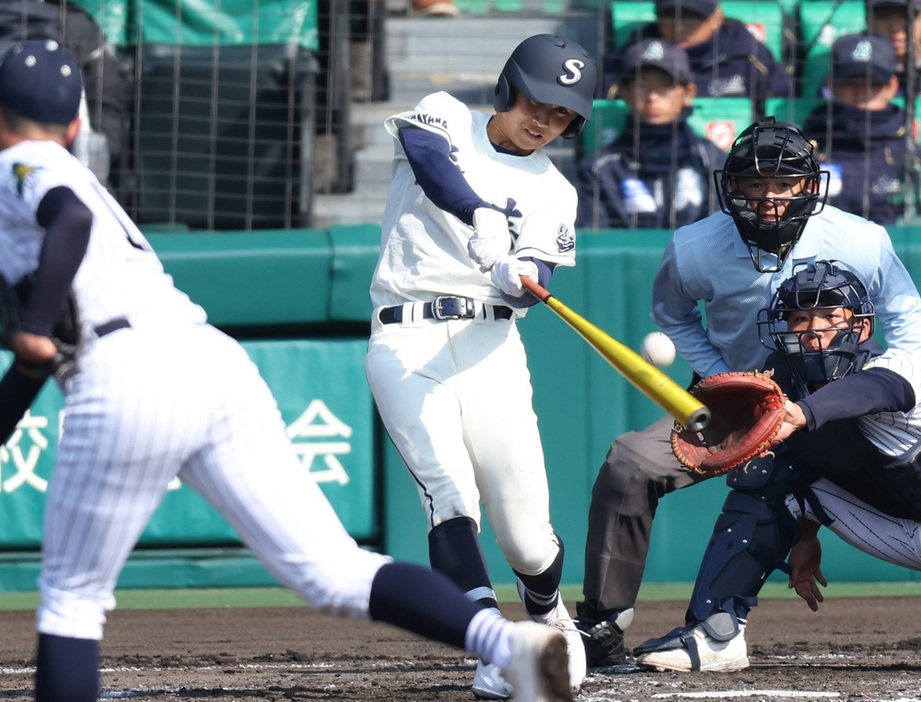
(764, 19)
(608, 118)
(794, 110)
(821, 22)
(627, 18)
(719, 119)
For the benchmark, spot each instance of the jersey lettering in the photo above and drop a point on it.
(430, 120)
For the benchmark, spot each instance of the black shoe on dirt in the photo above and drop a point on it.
(603, 639)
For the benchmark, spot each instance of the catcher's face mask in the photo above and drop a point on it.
(817, 320)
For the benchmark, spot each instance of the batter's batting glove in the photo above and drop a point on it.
(506, 274)
(491, 240)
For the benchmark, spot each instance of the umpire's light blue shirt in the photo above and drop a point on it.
(708, 261)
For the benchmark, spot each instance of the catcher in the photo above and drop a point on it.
(850, 460)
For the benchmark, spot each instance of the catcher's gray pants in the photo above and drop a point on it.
(640, 468)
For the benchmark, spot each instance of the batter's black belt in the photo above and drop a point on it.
(443, 307)
(111, 326)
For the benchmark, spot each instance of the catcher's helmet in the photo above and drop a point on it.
(770, 149)
(822, 285)
(553, 70)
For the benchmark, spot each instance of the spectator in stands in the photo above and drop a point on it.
(890, 18)
(656, 173)
(726, 59)
(861, 137)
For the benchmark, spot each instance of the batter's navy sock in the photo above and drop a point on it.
(542, 590)
(421, 601)
(66, 670)
(454, 549)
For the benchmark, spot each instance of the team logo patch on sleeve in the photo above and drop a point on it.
(565, 239)
(22, 172)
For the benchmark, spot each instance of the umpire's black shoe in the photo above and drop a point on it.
(603, 638)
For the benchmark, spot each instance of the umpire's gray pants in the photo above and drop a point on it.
(640, 468)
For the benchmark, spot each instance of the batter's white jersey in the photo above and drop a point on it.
(424, 249)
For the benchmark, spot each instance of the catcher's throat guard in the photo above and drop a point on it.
(747, 411)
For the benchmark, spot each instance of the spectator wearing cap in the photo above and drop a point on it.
(861, 137)
(657, 172)
(890, 18)
(726, 59)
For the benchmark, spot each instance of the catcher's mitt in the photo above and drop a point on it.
(746, 411)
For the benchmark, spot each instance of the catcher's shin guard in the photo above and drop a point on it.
(750, 540)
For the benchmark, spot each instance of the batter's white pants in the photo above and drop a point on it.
(161, 400)
(455, 398)
(864, 527)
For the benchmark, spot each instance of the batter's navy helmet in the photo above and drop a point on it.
(770, 149)
(823, 285)
(553, 70)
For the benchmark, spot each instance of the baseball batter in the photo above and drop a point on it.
(850, 461)
(474, 204)
(157, 393)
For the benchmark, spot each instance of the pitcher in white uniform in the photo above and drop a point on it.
(157, 393)
(475, 203)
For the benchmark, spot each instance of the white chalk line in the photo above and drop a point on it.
(732, 694)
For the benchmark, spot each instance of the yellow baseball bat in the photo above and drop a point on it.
(652, 382)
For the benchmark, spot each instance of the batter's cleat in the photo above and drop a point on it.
(716, 645)
(538, 669)
(559, 619)
(488, 683)
(603, 636)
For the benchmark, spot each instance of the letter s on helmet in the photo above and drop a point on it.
(770, 149)
(552, 70)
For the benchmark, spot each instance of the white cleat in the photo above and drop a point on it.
(559, 619)
(538, 669)
(488, 683)
(698, 651)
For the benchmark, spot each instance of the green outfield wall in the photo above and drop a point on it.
(298, 301)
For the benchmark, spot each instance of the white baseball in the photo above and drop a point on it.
(658, 349)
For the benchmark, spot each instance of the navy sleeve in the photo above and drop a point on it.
(67, 223)
(867, 392)
(17, 392)
(429, 156)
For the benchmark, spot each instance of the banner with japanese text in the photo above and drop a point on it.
(327, 407)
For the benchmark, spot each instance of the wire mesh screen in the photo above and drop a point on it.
(258, 114)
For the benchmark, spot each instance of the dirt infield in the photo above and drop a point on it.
(852, 649)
